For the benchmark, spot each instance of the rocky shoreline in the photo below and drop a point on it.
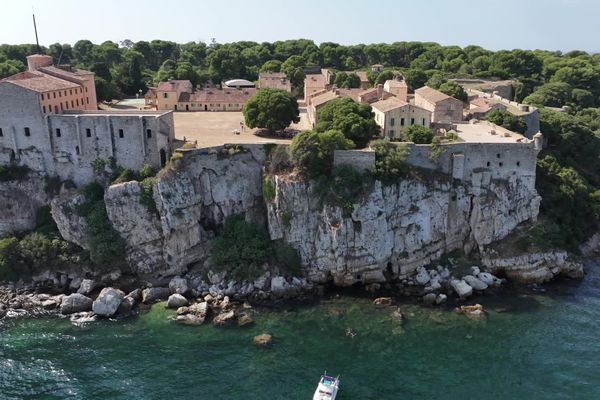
(224, 302)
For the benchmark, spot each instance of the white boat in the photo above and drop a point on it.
(327, 389)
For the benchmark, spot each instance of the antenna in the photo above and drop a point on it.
(36, 36)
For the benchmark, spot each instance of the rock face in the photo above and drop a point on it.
(87, 286)
(108, 302)
(395, 229)
(176, 300)
(75, 303)
(20, 201)
(534, 267)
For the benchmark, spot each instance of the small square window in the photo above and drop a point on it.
(121, 133)
(88, 132)
(27, 131)
(392, 121)
(148, 133)
(57, 132)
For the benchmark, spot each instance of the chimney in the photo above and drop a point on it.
(380, 91)
(36, 61)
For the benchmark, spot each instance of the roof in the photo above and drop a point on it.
(371, 95)
(272, 75)
(432, 95)
(274, 80)
(389, 104)
(174, 86)
(39, 82)
(226, 95)
(323, 98)
(395, 83)
(66, 72)
(362, 75)
(239, 82)
(315, 81)
(352, 93)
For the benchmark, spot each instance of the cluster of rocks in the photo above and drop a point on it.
(435, 285)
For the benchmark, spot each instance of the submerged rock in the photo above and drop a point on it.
(75, 303)
(245, 320)
(83, 317)
(224, 319)
(263, 340)
(382, 302)
(476, 310)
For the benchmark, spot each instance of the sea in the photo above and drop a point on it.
(542, 344)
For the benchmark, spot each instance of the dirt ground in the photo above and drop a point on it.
(216, 128)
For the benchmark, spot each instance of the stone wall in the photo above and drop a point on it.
(361, 160)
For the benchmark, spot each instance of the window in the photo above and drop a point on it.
(148, 133)
(401, 121)
(165, 95)
(57, 132)
(71, 92)
(86, 89)
(77, 150)
(59, 94)
(391, 132)
(88, 100)
(42, 96)
(1, 133)
(65, 93)
(498, 155)
(88, 132)
(518, 162)
(392, 121)
(72, 104)
(500, 164)
(61, 106)
(77, 102)
(412, 121)
(54, 94)
(27, 131)
(55, 109)
(423, 121)
(488, 163)
(121, 134)
(44, 109)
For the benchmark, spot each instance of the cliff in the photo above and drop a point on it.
(390, 233)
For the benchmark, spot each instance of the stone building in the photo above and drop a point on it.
(36, 132)
(274, 80)
(394, 115)
(444, 109)
(314, 83)
(398, 88)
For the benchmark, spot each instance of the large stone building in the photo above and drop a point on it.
(444, 109)
(36, 132)
(394, 115)
(397, 87)
(180, 95)
(274, 80)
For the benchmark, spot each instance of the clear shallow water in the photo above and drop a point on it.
(532, 346)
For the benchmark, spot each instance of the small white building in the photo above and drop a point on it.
(394, 115)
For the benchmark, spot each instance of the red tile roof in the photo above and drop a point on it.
(39, 82)
(174, 86)
(389, 104)
(431, 94)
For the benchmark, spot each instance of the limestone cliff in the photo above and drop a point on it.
(20, 201)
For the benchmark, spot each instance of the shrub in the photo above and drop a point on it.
(355, 121)
(147, 171)
(436, 149)
(44, 222)
(13, 172)
(241, 248)
(312, 151)
(268, 189)
(147, 195)
(507, 120)
(390, 161)
(106, 245)
(344, 188)
(53, 185)
(287, 259)
(9, 257)
(126, 175)
(418, 134)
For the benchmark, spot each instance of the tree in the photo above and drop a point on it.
(418, 134)
(356, 121)
(272, 109)
(292, 67)
(415, 78)
(507, 120)
(11, 67)
(554, 94)
(271, 66)
(453, 89)
(313, 151)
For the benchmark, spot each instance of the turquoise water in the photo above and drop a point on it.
(531, 346)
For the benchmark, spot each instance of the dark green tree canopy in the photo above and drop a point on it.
(271, 109)
(418, 134)
(355, 121)
(313, 151)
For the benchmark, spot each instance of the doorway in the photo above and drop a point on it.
(163, 157)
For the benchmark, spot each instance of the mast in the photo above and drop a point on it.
(36, 36)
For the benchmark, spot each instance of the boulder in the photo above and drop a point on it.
(279, 285)
(422, 277)
(150, 295)
(475, 283)
(462, 288)
(263, 340)
(84, 317)
(216, 277)
(192, 315)
(224, 319)
(126, 305)
(49, 304)
(441, 298)
(135, 294)
(108, 301)
(75, 303)
(190, 319)
(87, 286)
(489, 279)
(178, 285)
(75, 283)
(176, 300)
(429, 298)
(475, 270)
